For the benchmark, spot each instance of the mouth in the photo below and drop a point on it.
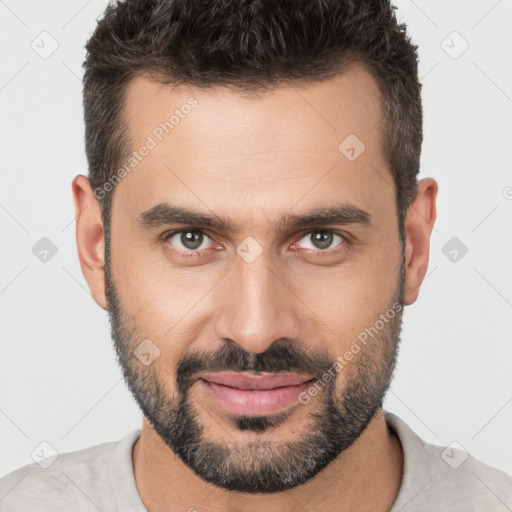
(254, 395)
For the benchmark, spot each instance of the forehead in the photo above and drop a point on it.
(215, 147)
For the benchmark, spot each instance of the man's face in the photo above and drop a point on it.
(264, 296)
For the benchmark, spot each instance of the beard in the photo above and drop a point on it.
(336, 419)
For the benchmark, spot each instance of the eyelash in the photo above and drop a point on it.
(327, 252)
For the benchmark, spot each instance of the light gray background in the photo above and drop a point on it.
(59, 379)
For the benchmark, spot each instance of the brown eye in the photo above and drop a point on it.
(321, 240)
(188, 240)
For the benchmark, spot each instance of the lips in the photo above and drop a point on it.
(255, 382)
(254, 395)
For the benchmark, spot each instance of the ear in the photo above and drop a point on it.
(90, 238)
(419, 223)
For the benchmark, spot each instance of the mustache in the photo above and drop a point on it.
(283, 355)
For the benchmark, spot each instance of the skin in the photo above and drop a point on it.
(254, 160)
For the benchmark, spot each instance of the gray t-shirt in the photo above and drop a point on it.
(101, 478)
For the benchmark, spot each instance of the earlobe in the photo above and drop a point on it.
(419, 225)
(90, 238)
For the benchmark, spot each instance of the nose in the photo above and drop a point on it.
(256, 306)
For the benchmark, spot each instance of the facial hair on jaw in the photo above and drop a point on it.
(337, 419)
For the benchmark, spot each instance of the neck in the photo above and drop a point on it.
(366, 476)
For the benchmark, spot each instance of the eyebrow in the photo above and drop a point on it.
(164, 214)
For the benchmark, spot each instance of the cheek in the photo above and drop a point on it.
(166, 305)
(350, 298)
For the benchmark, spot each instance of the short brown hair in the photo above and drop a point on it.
(250, 45)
